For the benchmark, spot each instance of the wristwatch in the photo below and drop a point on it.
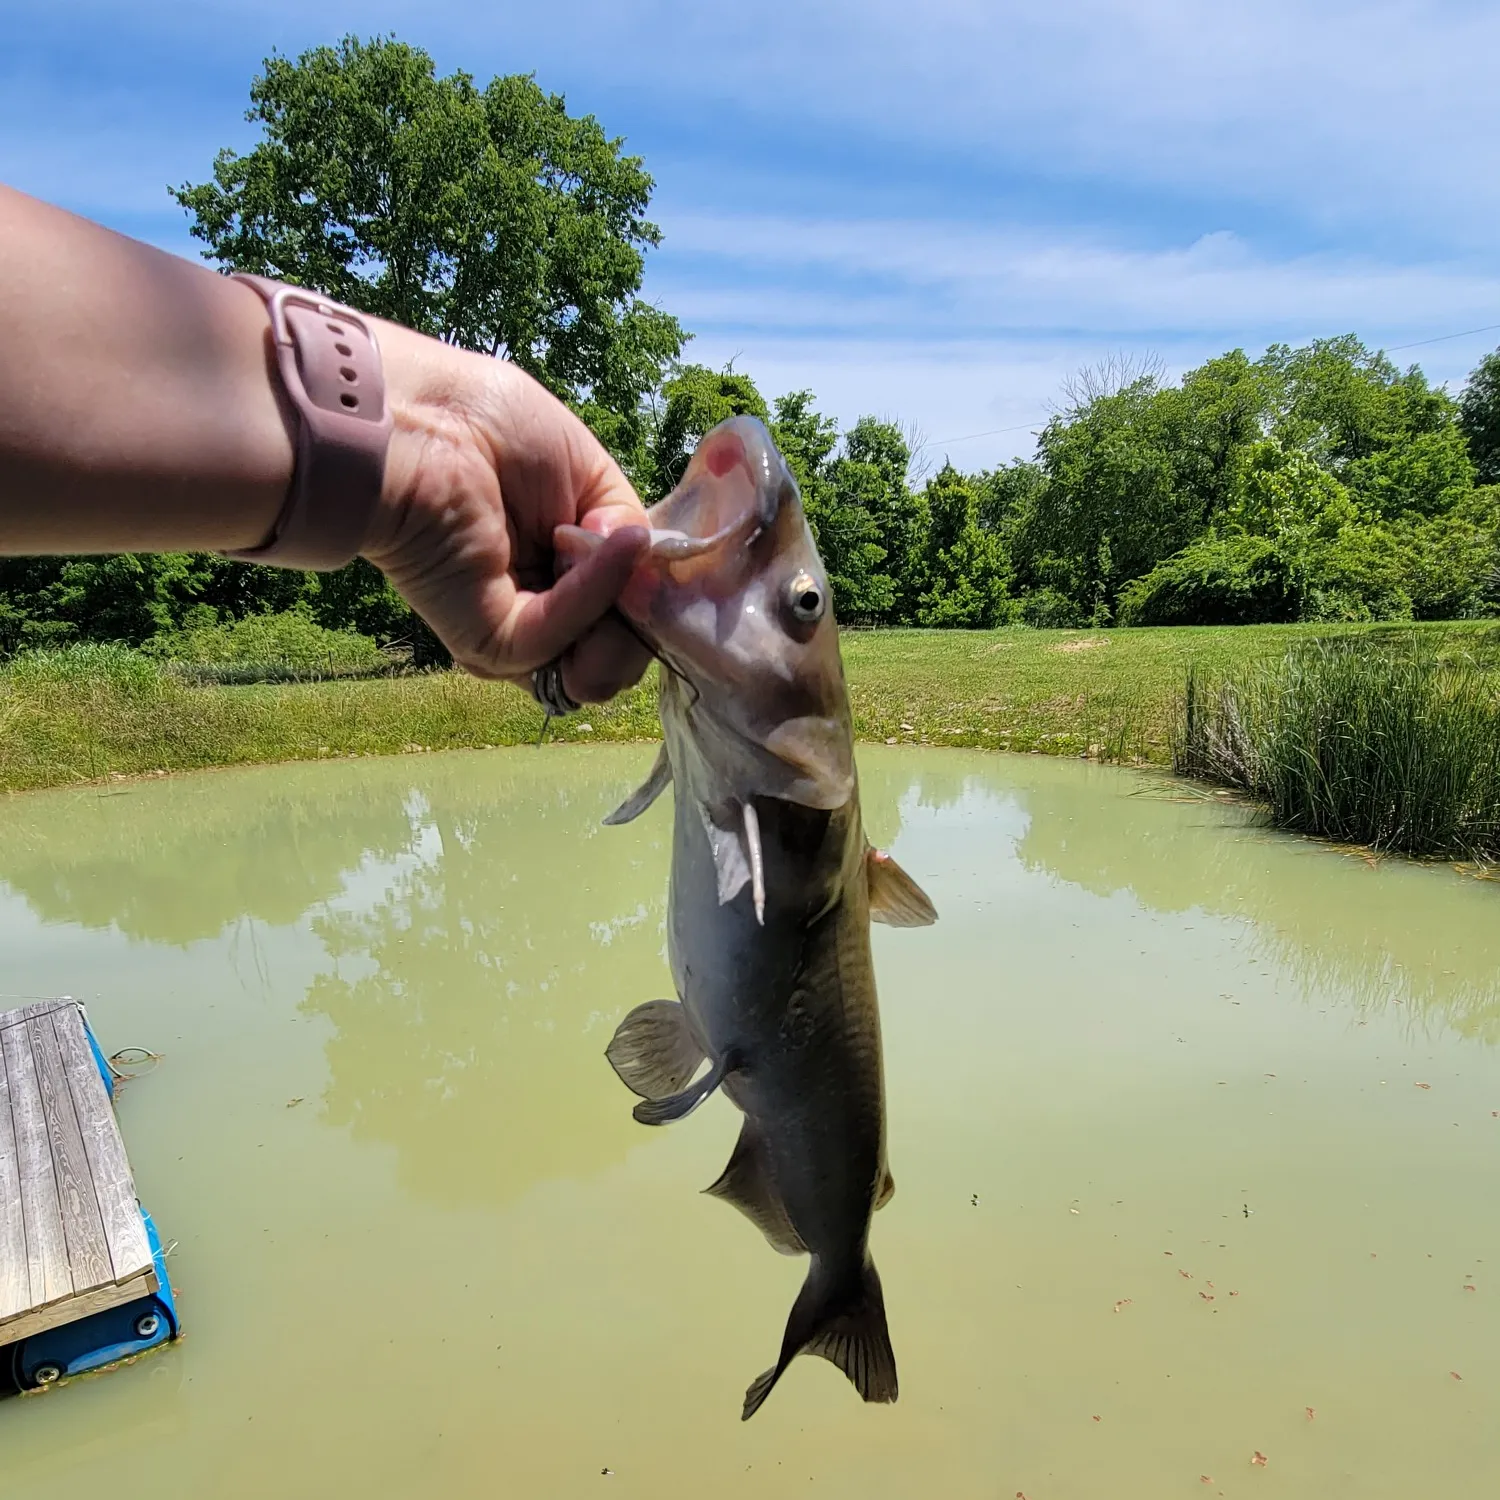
(330, 367)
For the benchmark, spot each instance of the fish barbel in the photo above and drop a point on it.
(773, 888)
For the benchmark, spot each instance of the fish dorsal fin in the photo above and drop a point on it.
(680, 1106)
(646, 793)
(746, 1183)
(654, 1051)
(895, 898)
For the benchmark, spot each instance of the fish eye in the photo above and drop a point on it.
(805, 598)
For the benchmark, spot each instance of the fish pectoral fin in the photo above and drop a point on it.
(730, 851)
(654, 1050)
(680, 1106)
(895, 898)
(887, 1190)
(646, 793)
(844, 1324)
(746, 1183)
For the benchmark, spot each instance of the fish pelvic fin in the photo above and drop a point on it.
(895, 898)
(654, 1050)
(887, 1189)
(679, 1106)
(747, 1183)
(644, 795)
(844, 1323)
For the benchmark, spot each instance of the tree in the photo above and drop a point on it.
(1479, 416)
(1113, 503)
(53, 601)
(1384, 433)
(965, 567)
(489, 218)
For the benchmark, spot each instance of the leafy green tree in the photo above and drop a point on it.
(49, 601)
(1386, 434)
(1007, 495)
(807, 441)
(869, 477)
(966, 569)
(1112, 505)
(488, 217)
(1230, 579)
(1479, 416)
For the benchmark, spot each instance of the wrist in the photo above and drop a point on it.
(331, 375)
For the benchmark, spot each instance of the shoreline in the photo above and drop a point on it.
(1107, 695)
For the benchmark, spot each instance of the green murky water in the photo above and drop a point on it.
(1166, 1175)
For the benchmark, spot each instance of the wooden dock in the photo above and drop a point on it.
(72, 1240)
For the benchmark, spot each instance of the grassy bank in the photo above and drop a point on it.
(1394, 744)
(91, 714)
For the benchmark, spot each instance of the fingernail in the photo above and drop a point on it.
(639, 537)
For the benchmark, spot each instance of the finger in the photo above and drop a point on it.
(605, 661)
(545, 624)
(570, 545)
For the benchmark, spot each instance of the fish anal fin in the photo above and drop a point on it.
(646, 793)
(654, 1050)
(842, 1322)
(746, 1183)
(895, 898)
(887, 1190)
(679, 1106)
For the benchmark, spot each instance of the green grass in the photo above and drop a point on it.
(91, 713)
(1392, 742)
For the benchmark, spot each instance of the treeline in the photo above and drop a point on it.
(1319, 483)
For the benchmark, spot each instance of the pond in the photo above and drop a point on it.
(1194, 1128)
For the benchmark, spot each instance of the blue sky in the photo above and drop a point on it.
(930, 211)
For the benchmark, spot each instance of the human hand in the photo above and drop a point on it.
(484, 464)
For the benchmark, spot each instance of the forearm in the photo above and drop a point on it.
(139, 409)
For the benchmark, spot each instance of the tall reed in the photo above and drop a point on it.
(1391, 741)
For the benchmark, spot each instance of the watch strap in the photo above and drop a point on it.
(330, 367)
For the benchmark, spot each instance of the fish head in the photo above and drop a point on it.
(734, 598)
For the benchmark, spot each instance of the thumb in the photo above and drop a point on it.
(543, 625)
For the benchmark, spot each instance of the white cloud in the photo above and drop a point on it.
(742, 271)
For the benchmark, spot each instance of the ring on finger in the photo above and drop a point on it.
(548, 690)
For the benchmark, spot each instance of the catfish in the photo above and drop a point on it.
(772, 891)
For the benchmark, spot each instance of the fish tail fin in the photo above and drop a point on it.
(843, 1320)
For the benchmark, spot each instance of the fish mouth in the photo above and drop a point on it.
(729, 494)
(818, 750)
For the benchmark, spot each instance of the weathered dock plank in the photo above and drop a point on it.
(72, 1240)
(15, 1275)
(41, 1211)
(83, 1229)
(114, 1187)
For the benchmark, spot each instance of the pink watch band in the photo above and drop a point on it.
(330, 366)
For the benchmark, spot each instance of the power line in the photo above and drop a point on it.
(1442, 338)
(993, 432)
